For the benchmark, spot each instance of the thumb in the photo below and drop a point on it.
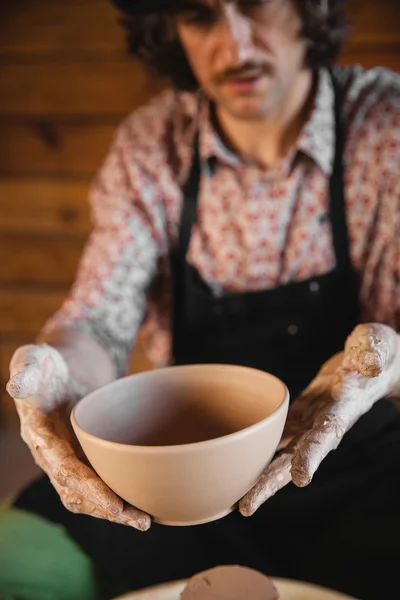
(24, 383)
(37, 370)
(369, 349)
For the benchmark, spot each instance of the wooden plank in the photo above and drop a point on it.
(374, 23)
(44, 206)
(45, 26)
(92, 26)
(62, 148)
(113, 87)
(8, 415)
(51, 147)
(388, 59)
(25, 311)
(33, 259)
(97, 86)
(96, 89)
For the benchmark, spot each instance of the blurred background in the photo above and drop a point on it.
(65, 83)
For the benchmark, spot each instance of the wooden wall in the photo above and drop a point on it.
(65, 83)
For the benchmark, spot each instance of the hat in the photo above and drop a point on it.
(143, 7)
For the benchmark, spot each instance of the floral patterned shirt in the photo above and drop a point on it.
(256, 228)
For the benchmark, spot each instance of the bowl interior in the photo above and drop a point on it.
(180, 405)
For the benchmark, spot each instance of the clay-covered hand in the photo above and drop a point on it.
(346, 387)
(44, 392)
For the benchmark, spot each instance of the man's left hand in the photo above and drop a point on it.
(346, 387)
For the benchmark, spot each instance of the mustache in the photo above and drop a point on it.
(243, 70)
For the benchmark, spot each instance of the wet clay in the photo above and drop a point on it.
(230, 583)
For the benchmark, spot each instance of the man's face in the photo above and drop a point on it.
(245, 54)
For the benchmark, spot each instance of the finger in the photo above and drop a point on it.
(370, 348)
(329, 427)
(274, 478)
(77, 504)
(303, 411)
(22, 357)
(69, 472)
(78, 486)
(38, 371)
(78, 477)
(49, 440)
(24, 383)
(134, 518)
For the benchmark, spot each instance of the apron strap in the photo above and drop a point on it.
(190, 199)
(178, 257)
(337, 202)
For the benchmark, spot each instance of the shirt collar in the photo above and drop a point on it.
(211, 146)
(317, 139)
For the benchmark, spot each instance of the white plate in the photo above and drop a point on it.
(289, 590)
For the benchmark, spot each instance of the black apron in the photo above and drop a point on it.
(343, 530)
(290, 330)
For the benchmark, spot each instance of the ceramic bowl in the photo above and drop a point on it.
(186, 443)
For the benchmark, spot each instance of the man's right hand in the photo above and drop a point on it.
(44, 393)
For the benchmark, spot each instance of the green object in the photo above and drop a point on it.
(39, 561)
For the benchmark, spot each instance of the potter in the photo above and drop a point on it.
(249, 215)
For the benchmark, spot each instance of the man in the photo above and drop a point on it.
(250, 216)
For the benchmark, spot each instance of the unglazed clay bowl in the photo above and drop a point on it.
(186, 443)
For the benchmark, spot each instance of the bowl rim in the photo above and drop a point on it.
(193, 446)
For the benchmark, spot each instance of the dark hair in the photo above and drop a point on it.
(151, 40)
